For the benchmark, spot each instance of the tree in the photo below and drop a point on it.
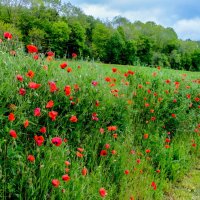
(115, 48)
(100, 37)
(76, 41)
(60, 32)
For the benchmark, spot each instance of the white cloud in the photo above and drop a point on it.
(188, 28)
(99, 11)
(105, 12)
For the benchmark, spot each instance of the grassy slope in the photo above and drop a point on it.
(127, 112)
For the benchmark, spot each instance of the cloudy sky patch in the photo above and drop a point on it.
(182, 15)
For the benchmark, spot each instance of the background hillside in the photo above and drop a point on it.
(65, 29)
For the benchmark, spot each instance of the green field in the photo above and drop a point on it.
(131, 130)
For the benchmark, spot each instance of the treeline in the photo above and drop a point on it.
(65, 29)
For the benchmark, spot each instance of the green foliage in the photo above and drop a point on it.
(141, 43)
(137, 100)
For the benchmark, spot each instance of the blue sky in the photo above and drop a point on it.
(182, 15)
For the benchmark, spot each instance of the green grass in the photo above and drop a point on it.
(137, 104)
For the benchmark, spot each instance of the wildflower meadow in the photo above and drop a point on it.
(79, 130)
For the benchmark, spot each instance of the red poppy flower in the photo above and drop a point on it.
(102, 192)
(69, 69)
(108, 79)
(50, 53)
(114, 152)
(19, 78)
(13, 134)
(50, 104)
(74, 55)
(80, 149)
(53, 87)
(57, 141)
(103, 153)
(43, 129)
(107, 146)
(146, 135)
(36, 57)
(73, 119)
(148, 151)
(63, 65)
(78, 154)
(26, 123)
(31, 158)
(11, 117)
(112, 128)
(37, 112)
(167, 140)
(33, 85)
(7, 35)
(97, 103)
(84, 171)
(39, 140)
(53, 115)
(101, 130)
(158, 171)
(173, 115)
(67, 90)
(55, 182)
(22, 91)
(66, 177)
(94, 117)
(30, 74)
(114, 70)
(32, 49)
(94, 83)
(126, 172)
(67, 163)
(153, 184)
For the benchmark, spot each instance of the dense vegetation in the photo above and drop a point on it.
(77, 130)
(65, 29)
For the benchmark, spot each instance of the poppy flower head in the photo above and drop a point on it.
(7, 35)
(26, 123)
(43, 129)
(84, 171)
(52, 86)
(56, 141)
(102, 192)
(63, 65)
(55, 182)
(94, 83)
(13, 133)
(153, 184)
(103, 153)
(50, 104)
(74, 55)
(66, 177)
(22, 91)
(30, 74)
(31, 158)
(19, 78)
(73, 119)
(112, 128)
(32, 48)
(50, 53)
(67, 90)
(11, 117)
(114, 70)
(53, 115)
(33, 85)
(37, 112)
(39, 140)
